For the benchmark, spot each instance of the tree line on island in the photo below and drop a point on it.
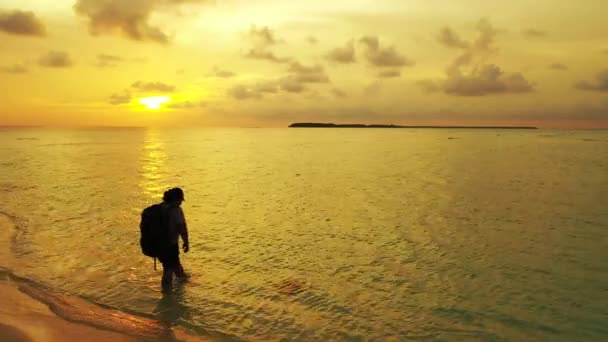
(333, 125)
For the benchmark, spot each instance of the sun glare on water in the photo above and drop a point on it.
(154, 102)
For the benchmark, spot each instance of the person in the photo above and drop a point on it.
(177, 227)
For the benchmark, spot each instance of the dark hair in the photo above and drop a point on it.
(175, 194)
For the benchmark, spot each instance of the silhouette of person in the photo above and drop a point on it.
(176, 224)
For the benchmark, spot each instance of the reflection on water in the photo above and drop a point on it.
(327, 234)
(171, 308)
(154, 164)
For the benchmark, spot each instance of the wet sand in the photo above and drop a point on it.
(26, 319)
(28, 313)
(32, 312)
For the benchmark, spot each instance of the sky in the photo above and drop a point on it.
(268, 63)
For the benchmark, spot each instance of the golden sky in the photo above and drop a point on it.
(269, 63)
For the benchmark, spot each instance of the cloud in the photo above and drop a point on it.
(56, 59)
(120, 98)
(460, 62)
(153, 86)
(129, 18)
(291, 85)
(383, 56)
(486, 35)
(599, 84)
(534, 33)
(558, 66)
(485, 80)
(263, 36)
(308, 74)
(14, 69)
(266, 87)
(241, 92)
(126, 95)
(312, 40)
(451, 39)
(373, 88)
(296, 81)
(300, 75)
(259, 89)
(338, 93)
(186, 105)
(21, 23)
(488, 79)
(262, 54)
(262, 40)
(428, 85)
(343, 55)
(108, 61)
(218, 72)
(315, 95)
(389, 73)
(469, 75)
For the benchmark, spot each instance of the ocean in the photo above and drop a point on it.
(323, 234)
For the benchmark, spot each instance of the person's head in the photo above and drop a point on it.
(174, 196)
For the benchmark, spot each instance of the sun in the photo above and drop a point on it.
(154, 102)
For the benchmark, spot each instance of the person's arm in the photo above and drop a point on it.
(184, 231)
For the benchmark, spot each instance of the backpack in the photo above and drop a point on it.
(154, 229)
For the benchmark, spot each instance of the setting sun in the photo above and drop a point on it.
(154, 102)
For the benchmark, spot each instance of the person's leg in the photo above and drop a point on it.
(171, 266)
(179, 271)
(169, 260)
(166, 282)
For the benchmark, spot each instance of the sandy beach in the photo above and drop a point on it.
(30, 311)
(26, 319)
(29, 314)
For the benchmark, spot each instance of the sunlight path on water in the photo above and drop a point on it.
(154, 165)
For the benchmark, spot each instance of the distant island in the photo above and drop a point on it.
(332, 125)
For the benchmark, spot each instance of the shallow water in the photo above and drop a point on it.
(325, 234)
